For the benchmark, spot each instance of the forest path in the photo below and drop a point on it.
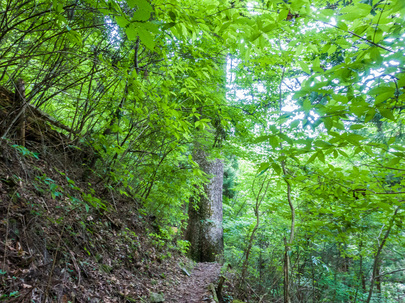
(194, 288)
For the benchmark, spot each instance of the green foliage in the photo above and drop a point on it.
(50, 186)
(309, 94)
(24, 151)
(13, 294)
(183, 246)
(230, 170)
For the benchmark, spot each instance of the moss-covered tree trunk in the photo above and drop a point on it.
(204, 230)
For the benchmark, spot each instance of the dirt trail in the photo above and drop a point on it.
(194, 288)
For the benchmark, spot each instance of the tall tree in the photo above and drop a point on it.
(204, 231)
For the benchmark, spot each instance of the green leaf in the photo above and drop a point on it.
(316, 65)
(263, 167)
(323, 144)
(172, 16)
(383, 97)
(394, 161)
(355, 139)
(283, 14)
(261, 139)
(359, 10)
(294, 124)
(342, 26)
(370, 115)
(132, 32)
(378, 35)
(312, 158)
(387, 113)
(276, 168)
(375, 54)
(325, 14)
(286, 138)
(122, 21)
(382, 89)
(146, 37)
(325, 48)
(306, 105)
(321, 156)
(343, 43)
(360, 29)
(328, 122)
(356, 126)
(274, 129)
(332, 49)
(168, 25)
(274, 141)
(398, 6)
(144, 9)
(304, 67)
(391, 140)
(343, 153)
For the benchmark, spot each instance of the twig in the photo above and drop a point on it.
(358, 36)
(112, 197)
(390, 273)
(75, 264)
(54, 263)
(7, 230)
(378, 22)
(377, 255)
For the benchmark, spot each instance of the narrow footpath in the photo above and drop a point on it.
(194, 288)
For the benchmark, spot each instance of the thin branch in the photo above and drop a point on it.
(391, 272)
(378, 253)
(358, 36)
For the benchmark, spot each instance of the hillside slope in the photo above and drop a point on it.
(66, 237)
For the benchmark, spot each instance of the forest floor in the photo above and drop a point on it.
(194, 288)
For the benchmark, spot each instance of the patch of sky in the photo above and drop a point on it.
(113, 32)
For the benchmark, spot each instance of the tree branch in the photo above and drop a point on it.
(390, 273)
(358, 36)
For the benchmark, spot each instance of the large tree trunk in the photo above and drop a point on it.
(204, 231)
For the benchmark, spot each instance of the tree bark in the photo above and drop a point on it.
(204, 230)
(20, 98)
(378, 278)
(287, 244)
(286, 270)
(259, 199)
(378, 253)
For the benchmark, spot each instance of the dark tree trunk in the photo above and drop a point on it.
(20, 96)
(204, 231)
(377, 260)
(286, 269)
(378, 278)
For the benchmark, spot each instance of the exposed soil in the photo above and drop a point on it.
(194, 288)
